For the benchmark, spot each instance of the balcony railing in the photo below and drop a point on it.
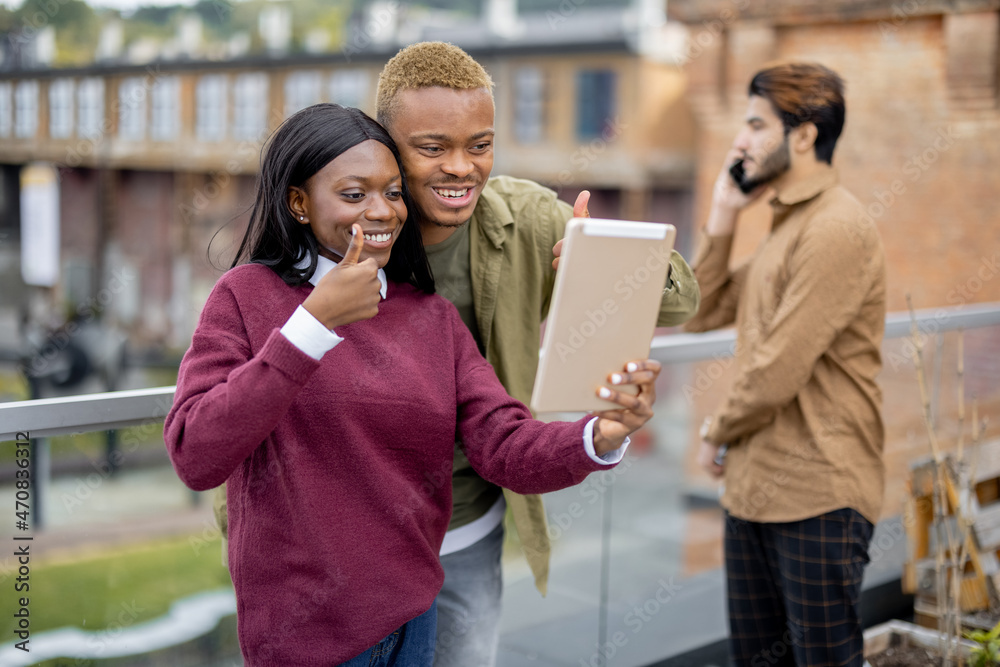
(120, 409)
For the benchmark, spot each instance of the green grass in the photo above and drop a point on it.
(13, 387)
(125, 586)
(93, 444)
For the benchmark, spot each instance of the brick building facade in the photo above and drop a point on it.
(920, 149)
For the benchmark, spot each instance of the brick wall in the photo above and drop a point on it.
(920, 149)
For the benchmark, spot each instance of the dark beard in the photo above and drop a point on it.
(443, 226)
(775, 164)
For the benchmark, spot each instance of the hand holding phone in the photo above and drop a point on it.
(736, 172)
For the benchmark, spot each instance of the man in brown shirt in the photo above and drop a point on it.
(799, 436)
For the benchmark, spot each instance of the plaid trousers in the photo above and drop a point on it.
(793, 590)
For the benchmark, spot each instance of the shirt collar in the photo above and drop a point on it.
(804, 190)
(492, 214)
(325, 264)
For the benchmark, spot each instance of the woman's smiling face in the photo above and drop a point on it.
(362, 185)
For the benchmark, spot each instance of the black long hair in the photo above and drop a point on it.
(305, 143)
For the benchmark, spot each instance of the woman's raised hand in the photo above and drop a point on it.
(350, 291)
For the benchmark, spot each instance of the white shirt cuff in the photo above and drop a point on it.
(308, 334)
(609, 459)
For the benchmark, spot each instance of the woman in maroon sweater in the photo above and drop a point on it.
(337, 446)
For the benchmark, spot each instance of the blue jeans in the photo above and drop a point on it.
(468, 630)
(410, 646)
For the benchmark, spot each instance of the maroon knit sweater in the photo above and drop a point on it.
(339, 470)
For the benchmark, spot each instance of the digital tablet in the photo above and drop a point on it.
(604, 308)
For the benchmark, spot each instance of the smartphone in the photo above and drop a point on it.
(739, 177)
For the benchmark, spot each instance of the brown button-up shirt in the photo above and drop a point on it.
(802, 417)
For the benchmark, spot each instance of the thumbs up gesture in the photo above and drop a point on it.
(350, 291)
(580, 210)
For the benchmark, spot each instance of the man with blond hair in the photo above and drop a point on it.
(481, 233)
(799, 435)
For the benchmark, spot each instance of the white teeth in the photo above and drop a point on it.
(377, 238)
(454, 194)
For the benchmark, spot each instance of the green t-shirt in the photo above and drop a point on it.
(472, 496)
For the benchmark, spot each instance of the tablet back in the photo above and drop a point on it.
(603, 314)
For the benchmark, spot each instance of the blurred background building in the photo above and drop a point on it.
(129, 140)
(156, 148)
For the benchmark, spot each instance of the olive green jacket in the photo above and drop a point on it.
(512, 231)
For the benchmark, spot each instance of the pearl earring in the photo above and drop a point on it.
(302, 217)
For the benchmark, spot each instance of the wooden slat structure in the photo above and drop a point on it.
(976, 502)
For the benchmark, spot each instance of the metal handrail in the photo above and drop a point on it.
(119, 409)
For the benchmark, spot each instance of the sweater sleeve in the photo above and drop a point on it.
(501, 440)
(228, 400)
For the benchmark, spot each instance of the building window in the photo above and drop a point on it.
(90, 108)
(210, 119)
(26, 109)
(250, 106)
(302, 89)
(6, 109)
(529, 105)
(166, 119)
(61, 108)
(132, 109)
(349, 88)
(595, 102)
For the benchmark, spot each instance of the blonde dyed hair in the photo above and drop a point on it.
(425, 65)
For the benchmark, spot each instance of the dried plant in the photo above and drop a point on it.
(953, 489)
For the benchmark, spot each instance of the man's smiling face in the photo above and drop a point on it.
(445, 139)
